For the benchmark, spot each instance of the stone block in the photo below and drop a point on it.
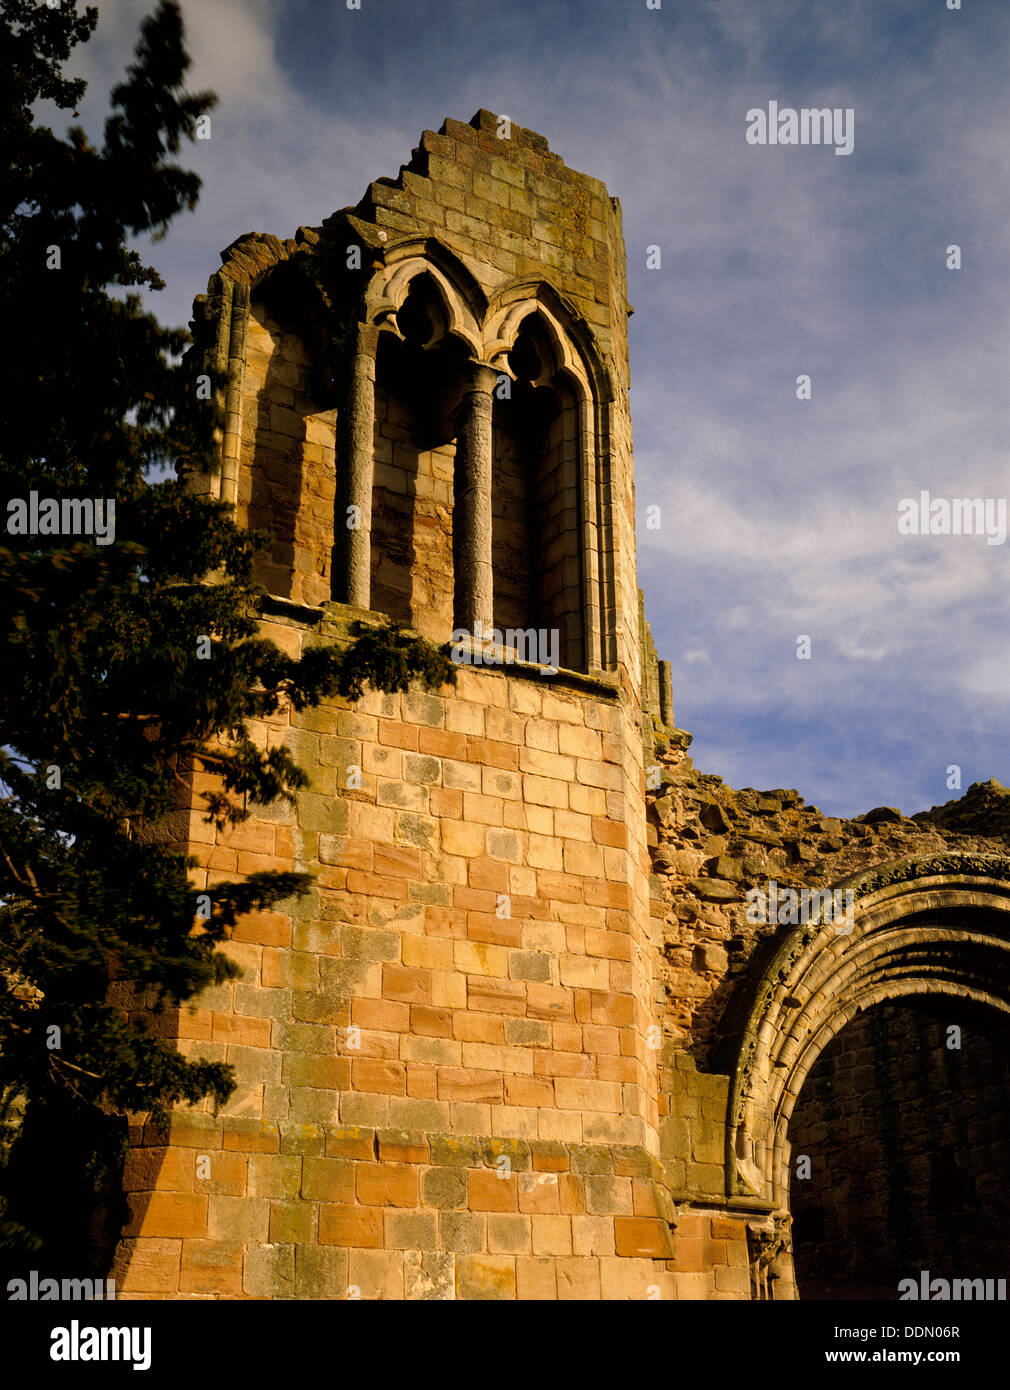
(323, 1272)
(485, 1277)
(429, 1275)
(242, 1219)
(410, 1230)
(358, 1227)
(268, 1271)
(387, 1185)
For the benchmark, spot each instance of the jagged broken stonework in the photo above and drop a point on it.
(522, 1039)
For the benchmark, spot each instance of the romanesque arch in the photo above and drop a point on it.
(932, 924)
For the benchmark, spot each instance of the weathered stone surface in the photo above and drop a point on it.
(444, 1188)
(713, 816)
(882, 815)
(429, 1275)
(710, 957)
(725, 867)
(678, 861)
(714, 890)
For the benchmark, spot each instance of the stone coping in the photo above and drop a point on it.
(599, 684)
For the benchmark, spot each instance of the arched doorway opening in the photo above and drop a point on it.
(930, 927)
(899, 1148)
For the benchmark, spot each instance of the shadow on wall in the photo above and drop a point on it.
(291, 486)
(904, 1121)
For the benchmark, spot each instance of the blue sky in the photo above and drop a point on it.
(778, 516)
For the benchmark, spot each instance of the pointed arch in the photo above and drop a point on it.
(578, 587)
(424, 308)
(463, 301)
(573, 338)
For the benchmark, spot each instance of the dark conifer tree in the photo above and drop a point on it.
(129, 665)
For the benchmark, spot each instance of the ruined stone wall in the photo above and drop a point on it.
(412, 508)
(516, 215)
(710, 845)
(290, 493)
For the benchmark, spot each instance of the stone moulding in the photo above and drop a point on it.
(336, 622)
(906, 940)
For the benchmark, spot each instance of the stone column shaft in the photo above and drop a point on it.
(472, 513)
(232, 442)
(666, 693)
(357, 461)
